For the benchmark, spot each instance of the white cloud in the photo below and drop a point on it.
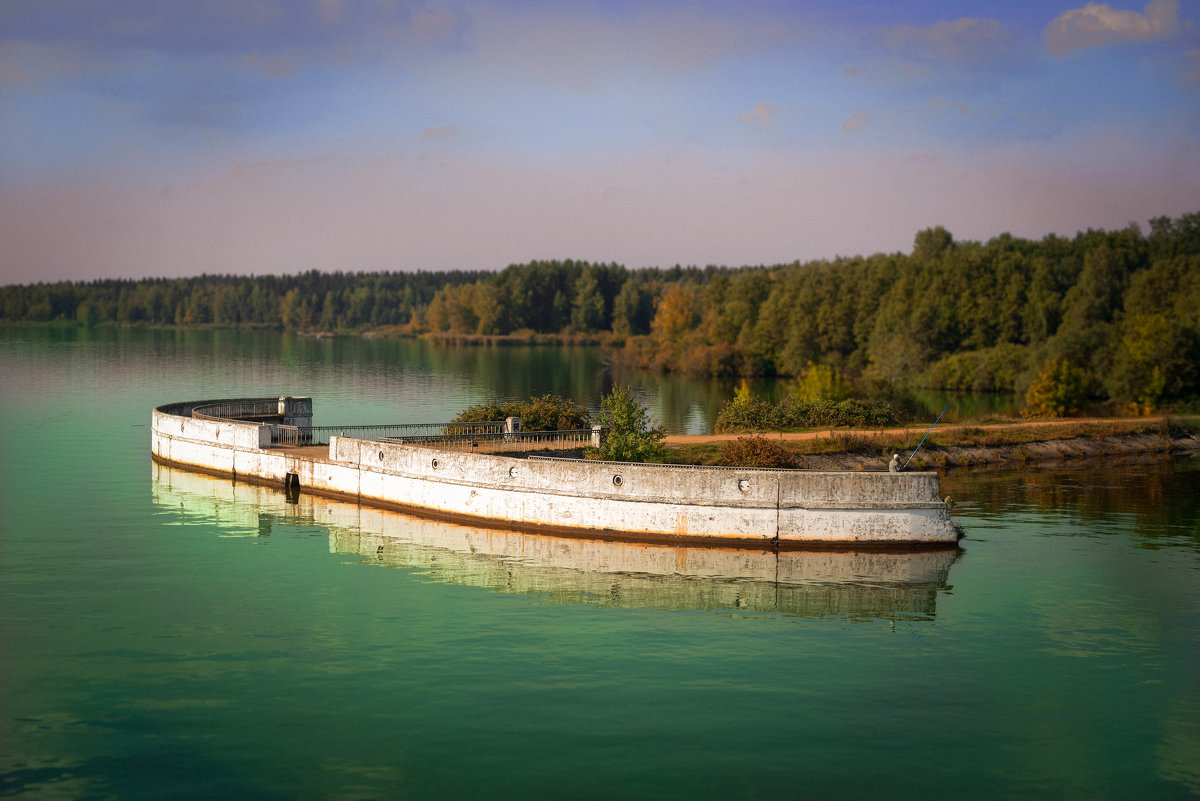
(1098, 24)
(762, 114)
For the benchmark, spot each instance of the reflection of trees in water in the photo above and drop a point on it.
(1160, 497)
(683, 405)
(398, 379)
(362, 380)
(967, 405)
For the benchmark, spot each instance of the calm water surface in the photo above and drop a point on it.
(170, 635)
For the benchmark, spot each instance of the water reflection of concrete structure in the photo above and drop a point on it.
(857, 584)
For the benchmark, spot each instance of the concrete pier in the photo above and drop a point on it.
(733, 506)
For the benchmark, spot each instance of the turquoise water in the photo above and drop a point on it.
(170, 635)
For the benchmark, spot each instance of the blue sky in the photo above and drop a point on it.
(161, 138)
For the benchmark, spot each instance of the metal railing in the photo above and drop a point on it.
(237, 409)
(519, 442)
(319, 435)
(484, 437)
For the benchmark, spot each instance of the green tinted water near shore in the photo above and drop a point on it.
(166, 634)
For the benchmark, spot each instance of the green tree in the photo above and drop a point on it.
(1156, 360)
(329, 316)
(632, 435)
(930, 244)
(675, 316)
(560, 311)
(633, 308)
(587, 312)
(294, 311)
(821, 382)
(1059, 390)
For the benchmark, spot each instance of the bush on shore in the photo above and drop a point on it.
(547, 413)
(748, 413)
(756, 451)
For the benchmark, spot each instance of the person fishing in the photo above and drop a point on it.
(894, 466)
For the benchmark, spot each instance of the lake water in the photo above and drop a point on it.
(170, 635)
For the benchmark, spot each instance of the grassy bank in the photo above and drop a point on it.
(955, 444)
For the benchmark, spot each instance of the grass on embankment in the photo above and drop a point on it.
(1005, 438)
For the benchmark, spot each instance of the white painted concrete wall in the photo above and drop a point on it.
(597, 497)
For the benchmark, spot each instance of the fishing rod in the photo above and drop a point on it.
(922, 442)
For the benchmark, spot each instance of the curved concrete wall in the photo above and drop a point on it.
(617, 499)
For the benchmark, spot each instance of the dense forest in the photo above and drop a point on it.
(1105, 314)
(306, 302)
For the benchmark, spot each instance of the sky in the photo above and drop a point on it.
(145, 138)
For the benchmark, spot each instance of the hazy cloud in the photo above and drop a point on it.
(261, 171)
(957, 105)
(858, 120)
(969, 39)
(1098, 24)
(440, 132)
(585, 51)
(331, 10)
(277, 66)
(889, 71)
(316, 27)
(27, 65)
(762, 114)
(434, 27)
(1191, 71)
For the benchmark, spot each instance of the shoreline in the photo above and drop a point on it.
(1043, 453)
(867, 449)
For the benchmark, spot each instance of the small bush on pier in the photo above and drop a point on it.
(632, 435)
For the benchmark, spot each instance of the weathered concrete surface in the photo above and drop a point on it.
(712, 504)
(856, 583)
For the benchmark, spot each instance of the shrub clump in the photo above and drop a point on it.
(631, 435)
(756, 451)
(1059, 390)
(547, 413)
(747, 413)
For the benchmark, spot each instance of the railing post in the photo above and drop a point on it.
(597, 431)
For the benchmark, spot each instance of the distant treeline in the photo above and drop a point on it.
(306, 302)
(1111, 314)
